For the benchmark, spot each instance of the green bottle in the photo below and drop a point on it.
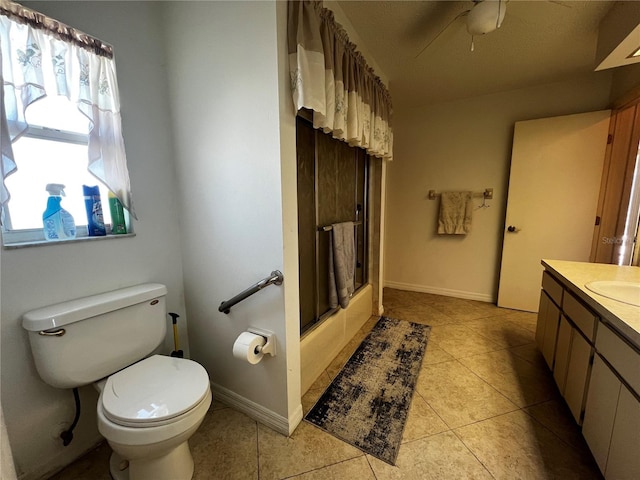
(118, 225)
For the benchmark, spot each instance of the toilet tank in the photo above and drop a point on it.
(78, 342)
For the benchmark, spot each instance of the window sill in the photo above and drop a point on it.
(40, 243)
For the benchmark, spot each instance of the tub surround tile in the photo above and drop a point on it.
(342, 358)
(366, 328)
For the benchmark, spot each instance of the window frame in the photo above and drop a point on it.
(56, 60)
(14, 238)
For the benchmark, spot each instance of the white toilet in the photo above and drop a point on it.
(148, 407)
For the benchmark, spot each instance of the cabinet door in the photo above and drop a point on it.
(624, 453)
(563, 346)
(577, 374)
(542, 319)
(600, 411)
(552, 321)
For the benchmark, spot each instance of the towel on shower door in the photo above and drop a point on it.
(455, 213)
(342, 264)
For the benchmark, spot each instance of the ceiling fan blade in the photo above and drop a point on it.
(444, 29)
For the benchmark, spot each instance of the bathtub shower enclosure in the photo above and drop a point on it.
(332, 188)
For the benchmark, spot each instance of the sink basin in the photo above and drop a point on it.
(625, 292)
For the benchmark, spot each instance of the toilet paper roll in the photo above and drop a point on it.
(246, 347)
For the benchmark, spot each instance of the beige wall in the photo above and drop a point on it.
(232, 155)
(463, 145)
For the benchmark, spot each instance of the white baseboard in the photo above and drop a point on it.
(259, 413)
(447, 292)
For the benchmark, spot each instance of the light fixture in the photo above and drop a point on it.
(485, 16)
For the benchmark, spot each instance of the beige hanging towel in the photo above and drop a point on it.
(455, 213)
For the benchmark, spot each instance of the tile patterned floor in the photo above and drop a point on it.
(485, 407)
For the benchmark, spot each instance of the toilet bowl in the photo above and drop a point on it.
(148, 406)
(147, 412)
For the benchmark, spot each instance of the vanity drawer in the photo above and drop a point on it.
(622, 357)
(580, 315)
(552, 287)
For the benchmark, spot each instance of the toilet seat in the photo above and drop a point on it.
(154, 391)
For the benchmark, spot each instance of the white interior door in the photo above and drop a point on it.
(556, 166)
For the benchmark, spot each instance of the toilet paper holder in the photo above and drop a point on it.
(270, 346)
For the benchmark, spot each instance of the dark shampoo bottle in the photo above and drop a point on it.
(93, 206)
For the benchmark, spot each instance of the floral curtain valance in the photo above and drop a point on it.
(330, 77)
(42, 57)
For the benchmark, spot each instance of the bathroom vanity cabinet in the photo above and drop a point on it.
(564, 334)
(592, 346)
(549, 317)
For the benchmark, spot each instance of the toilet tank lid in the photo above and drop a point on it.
(55, 316)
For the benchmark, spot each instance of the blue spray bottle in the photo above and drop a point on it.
(58, 224)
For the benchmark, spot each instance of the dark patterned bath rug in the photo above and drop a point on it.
(368, 402)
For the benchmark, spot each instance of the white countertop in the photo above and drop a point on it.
(623, 317)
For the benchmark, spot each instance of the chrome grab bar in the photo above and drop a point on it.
(276, 278)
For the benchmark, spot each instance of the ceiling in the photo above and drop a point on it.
(424, 49)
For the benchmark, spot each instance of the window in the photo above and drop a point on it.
(53, 149)
(61, 123)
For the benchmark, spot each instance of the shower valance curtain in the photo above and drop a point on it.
(42, 57)
(330, 77)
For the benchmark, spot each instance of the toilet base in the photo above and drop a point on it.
(175, 465)
(118, 467)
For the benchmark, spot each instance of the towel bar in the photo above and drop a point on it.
(328, 228)
(487, 194)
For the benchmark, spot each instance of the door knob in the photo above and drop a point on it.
(511, 229)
